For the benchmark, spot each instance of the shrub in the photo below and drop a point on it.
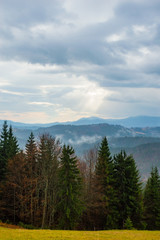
(27, 226)
(128, 224)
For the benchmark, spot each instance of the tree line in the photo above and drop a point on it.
(47, 186)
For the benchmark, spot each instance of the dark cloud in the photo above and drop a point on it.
(62, 41)
(20, 13)
(139, 12)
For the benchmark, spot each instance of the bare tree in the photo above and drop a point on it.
(49, 150)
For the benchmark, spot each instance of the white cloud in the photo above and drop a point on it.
(131, 102)
(26, 117)
(144, 51)
(85, 139)
(140, 29)
(11, 92)
(116, 37)
(44, 104)
(4, 82)
(86, 12)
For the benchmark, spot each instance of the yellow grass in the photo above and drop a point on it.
(22, 234)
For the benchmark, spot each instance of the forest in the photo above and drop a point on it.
(47, 186)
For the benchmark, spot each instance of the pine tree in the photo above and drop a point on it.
(152, 201)
(104, 191)
(70, 206)
(128, 190)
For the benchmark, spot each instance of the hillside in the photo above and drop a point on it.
(146, 156)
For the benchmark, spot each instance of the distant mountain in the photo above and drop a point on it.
(88, 121)
(139, 121)
(148, 131)
(142, 142)
(31, 126)
(91, 134)
(71, 134)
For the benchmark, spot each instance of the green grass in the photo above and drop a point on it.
(23, 234)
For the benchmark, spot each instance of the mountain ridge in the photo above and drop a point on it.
(138, 121)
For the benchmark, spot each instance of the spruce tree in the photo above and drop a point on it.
(8, 148)
(104, 164)
(152, 201)
(31, 152)
(128, 190)
(3, 150)
(104, 191)
(31, 175)
(13, 147)
(70, 206)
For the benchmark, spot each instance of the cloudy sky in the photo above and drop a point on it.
(61, 60)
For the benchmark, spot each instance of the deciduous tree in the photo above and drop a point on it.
(49, 150)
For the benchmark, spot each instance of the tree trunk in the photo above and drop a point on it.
(45, 204)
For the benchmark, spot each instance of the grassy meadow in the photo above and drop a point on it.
(23, 234)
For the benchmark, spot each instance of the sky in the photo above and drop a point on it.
(61, 60)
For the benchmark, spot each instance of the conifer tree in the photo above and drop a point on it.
(152, 201)
(31, 178)
(31, 153)
(31, 150)
(70, 205)
(104, 191)
(13, 147)
(128, 190)
(8, 148)
(3, 150)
